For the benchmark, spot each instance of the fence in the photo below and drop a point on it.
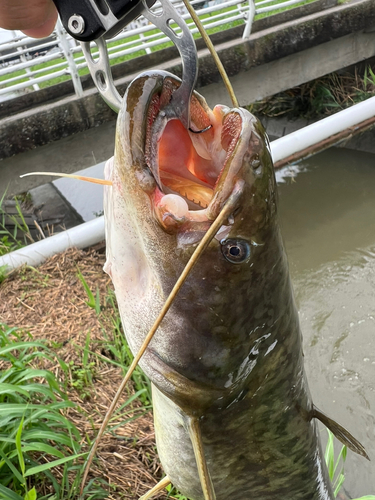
(27, 64)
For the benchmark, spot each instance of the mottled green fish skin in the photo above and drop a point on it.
(229, 352)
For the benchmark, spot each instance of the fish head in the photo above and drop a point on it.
(168, 185)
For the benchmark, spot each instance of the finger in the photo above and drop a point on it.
(36, 18)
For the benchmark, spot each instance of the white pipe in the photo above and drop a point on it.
(82, 236)
(316, 132)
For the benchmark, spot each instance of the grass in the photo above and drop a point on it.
(281, 9)
(319, 98)
(42, 451)
(16, 239)
(35, 435)
(335, 465)
(116, 346)
(20, 236)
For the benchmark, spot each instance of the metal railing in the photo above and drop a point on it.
(27, 64)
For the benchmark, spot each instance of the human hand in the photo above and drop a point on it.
(36, 18)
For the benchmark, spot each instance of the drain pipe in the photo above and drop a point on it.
(304, 142)
(82, 236)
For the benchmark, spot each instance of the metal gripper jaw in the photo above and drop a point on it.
(98, 20)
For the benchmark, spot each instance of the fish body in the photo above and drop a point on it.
(228, 355)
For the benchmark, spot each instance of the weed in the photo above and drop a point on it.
(3, 271)
(115, 344)
(35, 435)
(93, 300)
(335, 467)
(81, 378)
(174, 493)
(16, 239)
(320, 97)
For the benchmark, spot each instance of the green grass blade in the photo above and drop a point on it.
(61, 438)
(31, 494)
(342, 454)
(86, 350)
(43, 467)
(43, 448)
(19, 447)
(12, 467)
(90, 295)
(338, 484)
(20, 345)
(6, 439)
(97, 301)
(8, 494)
(25, 227)
(6, 388)
(329, 454)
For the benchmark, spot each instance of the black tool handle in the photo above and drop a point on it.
(87, 20)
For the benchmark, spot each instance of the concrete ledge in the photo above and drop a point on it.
(295, 36)
(33, 128)
(301, 67)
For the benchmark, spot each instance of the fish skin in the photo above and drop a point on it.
(229, 351)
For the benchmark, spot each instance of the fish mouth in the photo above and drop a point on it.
(194, 170)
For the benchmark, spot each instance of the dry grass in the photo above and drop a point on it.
(50, 303)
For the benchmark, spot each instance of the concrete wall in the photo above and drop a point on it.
(276, 58)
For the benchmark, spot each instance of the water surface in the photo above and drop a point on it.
(327, 212)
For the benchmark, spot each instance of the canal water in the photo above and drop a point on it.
(327, 211)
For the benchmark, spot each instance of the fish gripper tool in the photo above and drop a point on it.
(99, 20)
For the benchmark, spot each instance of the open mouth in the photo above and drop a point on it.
(190, 167)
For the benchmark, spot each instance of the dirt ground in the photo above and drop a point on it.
(50, 303)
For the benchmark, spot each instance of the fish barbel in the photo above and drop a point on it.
(234, 418)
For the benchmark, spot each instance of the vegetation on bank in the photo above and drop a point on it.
(318, 98)
(19, 236)
(54, 388)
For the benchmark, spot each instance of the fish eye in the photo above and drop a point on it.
(255, 163)
(235, 251)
